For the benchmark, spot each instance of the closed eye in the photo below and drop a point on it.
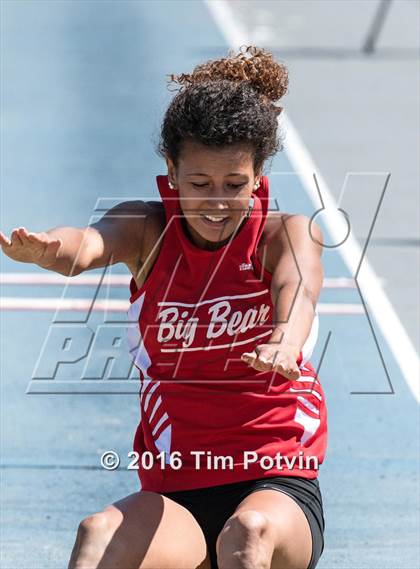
(234, 186)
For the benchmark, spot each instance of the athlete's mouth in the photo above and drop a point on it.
(215, 219)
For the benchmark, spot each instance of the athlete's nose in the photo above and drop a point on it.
(220, 196)
(217, 203)
(217, 209)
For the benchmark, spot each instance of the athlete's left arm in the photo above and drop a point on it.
(297, 280)
(295, 287)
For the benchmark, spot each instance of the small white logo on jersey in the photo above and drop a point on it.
(245, 266)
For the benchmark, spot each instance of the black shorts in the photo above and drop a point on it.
(212, 506)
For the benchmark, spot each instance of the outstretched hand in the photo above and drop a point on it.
(277, 357)
(39, 248)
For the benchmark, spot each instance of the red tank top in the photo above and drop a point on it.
(207, 418)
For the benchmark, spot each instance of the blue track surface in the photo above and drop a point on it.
(83, 93)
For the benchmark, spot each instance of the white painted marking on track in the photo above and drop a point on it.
(54, 279)
(121, 280)
(387, 319)
(25, 303)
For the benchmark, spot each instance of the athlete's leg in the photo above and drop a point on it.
(144, 530)
(268, 530)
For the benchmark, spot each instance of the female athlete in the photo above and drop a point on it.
(223, 321)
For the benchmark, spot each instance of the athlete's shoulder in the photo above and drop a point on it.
(156, 217)
(150, 212)
(273, 226)
(134, 212)
(155, 226)
(137, 224)
(289, 231)
(280, 224)
(278, 231)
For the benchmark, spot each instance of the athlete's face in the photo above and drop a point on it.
(214, 188)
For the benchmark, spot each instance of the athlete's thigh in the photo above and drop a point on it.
(291, 532)
(154, 532)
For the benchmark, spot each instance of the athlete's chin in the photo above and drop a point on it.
(214, 236)
(214, 233)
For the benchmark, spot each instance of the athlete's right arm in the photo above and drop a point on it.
(117, 237)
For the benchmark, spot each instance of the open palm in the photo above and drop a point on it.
(39, 248)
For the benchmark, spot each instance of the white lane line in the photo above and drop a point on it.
(21, 303)
(121, 280)
(340, 308)
(115, 305)
(56, 279)
(387, 319)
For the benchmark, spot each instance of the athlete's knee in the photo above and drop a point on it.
(94, 535)
(246, 540)
(245, 525)
(95, 524)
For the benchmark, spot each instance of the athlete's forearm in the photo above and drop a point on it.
(71, 255)
(293, 314)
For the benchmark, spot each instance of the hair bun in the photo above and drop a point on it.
(252, 64)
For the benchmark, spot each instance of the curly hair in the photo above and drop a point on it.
(227, 101)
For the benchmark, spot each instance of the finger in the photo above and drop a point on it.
(33, 238)
(249, 356)
(253, 359)
(23, 235)
(267, 359)
(5, 241)
(16, 240)
(38, 238)
(281, 364)
(294, 374)
(288, 371)
(264, 363)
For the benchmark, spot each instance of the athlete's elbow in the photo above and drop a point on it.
(317, 236)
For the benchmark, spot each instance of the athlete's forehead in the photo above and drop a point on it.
(230, 160)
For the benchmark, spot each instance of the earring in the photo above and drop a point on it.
(256, 185)
(170, 184)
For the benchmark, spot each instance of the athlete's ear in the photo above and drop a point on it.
(171, 170)
(257, 179)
